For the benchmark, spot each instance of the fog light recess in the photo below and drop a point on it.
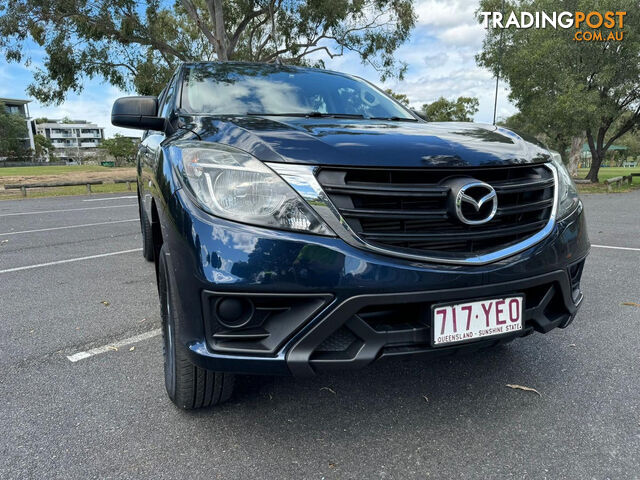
(234, 312)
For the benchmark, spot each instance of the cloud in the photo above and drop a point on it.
(463, 35)
(93, 104)
(441, 58)
(445, 14)
(5, 81)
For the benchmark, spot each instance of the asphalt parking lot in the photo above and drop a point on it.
(72, 279)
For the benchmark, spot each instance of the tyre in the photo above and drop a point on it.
(147, 234)
(188, 386)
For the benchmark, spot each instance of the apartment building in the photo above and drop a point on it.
(21, 107)
(72, 139)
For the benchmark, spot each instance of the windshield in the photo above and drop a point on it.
(241, 89)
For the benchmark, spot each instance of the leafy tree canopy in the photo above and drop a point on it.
(136, 44)
(566, 86)
(523, 124)
(43, 147)
(122, 148)
(442, 110)
(400, 97)
(568, 146)
(630, 140)
(13, 130)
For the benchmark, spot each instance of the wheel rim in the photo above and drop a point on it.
(169, 345)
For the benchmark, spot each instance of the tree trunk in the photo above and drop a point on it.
(596, 161)
(215, 7)
(597, 155)
(574, 155)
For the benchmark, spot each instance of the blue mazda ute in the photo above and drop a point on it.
(301, 220)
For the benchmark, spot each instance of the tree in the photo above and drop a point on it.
(13, 131)
(122, 148)
(632, 142)
(560, 140)
(442, 110)
(137, 44)
(43, 147)
(400, 97)
(568, 86)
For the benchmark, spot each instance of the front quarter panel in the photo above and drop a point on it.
(147, 167)
(157, 160)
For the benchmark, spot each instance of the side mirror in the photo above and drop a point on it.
(420, 114)
(137, 112)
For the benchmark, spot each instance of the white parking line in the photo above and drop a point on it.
(114, 346)
(109, 198)
(66, 210)
(68, 226)
(69, 260)
(617, 248)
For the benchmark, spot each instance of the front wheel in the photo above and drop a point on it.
(188, 385)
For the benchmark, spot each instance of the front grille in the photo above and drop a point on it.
(339, 341)
(406, 209)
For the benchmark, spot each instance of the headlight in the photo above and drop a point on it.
(567, 193)
(232, 184)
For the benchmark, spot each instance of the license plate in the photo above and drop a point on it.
(463, 322)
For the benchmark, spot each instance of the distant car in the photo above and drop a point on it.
(301, 220)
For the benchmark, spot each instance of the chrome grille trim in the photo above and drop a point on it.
(302, 178)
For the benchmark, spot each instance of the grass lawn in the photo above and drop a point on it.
(604, 174)
(62, 174)
(609, 172)
(53, 170)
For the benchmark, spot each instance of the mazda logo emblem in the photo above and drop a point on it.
(471, 201)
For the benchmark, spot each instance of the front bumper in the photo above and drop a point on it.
(326, 305)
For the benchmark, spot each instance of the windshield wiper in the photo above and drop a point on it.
(394, 119)
(332, 115)
(308, 114)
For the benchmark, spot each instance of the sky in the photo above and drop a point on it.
(440, 55)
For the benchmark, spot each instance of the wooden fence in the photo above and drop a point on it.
(25, 186)
(618, 181)
(14, 163)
